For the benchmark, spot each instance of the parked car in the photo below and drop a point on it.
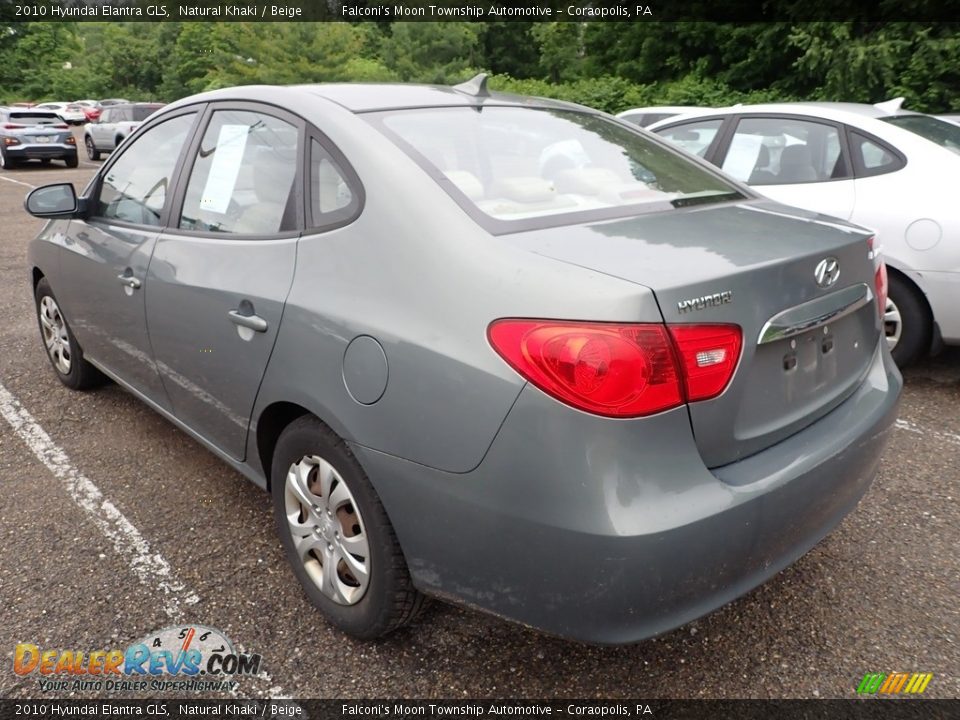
(648, 115)
(876, 165)
(113, 101)
(70, 113)
(91, 109)
(31, 134)
(115, 123)
(600, 399)
(955, 119)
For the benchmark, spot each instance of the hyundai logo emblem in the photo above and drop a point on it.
(827, 272)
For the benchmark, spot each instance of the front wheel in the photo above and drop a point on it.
(62, 348)
(906, 322)
(336, 534)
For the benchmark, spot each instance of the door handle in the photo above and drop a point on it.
(254, 322)
(129, 280)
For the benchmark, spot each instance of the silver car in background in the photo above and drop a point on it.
(31, 134)
(499, 350)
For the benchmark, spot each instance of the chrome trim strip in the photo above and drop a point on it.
(814, 313)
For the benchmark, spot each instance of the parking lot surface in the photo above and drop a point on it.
(175, 536)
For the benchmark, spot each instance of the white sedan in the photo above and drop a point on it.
(71, 113)
(879, 166)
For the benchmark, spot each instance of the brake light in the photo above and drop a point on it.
(708, 356)
(11, 141)
(13, 126)
(619, 370)
(62, 126)
(71, 140)
(880, 280)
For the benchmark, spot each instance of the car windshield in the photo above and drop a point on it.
(944, 134)
(517, 164)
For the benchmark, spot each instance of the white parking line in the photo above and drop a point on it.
(150, 567)
(10, 180)
(911, 427)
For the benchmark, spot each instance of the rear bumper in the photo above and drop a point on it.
(40, 151)
(614, 531)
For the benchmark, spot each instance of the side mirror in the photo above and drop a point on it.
(53, 201)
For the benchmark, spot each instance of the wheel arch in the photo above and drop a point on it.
(37, 275)
(271, 423)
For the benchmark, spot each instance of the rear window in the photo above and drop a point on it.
(944, 134)
(26, 117)
(141, 113)
(517, 168)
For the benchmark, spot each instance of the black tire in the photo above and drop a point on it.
(390, 600)
(81, 374)
(92, 151)
(45, 161)
(72, 161)
(6, 162)
(916, 323)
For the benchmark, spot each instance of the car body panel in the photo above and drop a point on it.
(590, 542)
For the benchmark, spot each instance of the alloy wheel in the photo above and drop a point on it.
(892, 324)
(55, 336)
(327, 530)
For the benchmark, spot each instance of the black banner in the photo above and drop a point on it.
(475, 10)
(862, 709)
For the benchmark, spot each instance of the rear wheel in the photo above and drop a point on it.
(906, 322)
(336, 534)
(62, 348)
(5, 161)
(72, 161)
(92, 151)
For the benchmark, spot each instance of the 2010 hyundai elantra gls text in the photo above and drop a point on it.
(500, 350)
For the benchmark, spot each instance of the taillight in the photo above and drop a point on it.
(13, 126)
(71, 140)
(708, 356)
(880, 281)
(619, 370)
(62, 126)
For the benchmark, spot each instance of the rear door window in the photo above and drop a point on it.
(785, 151)
(243, 176)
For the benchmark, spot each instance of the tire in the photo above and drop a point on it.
(45, 161)
(366, 609)
(72, 161)
(907, 322)
(62, 349)
(6, 162)
(92, 151)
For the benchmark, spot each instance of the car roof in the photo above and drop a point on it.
(662, 109)
(828, 110)
(370, 97)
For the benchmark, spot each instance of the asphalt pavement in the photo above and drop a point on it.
(177, 537)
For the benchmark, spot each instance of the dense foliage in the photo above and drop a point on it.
(607, 65)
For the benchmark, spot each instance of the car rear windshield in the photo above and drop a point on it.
(941, 132)
(517, 168)
(35, 118)
(142, 112)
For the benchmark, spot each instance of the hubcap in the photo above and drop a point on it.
(55, 334)
(892, 324)
(327, 530)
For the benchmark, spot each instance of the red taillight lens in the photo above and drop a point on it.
(880, 282)
(620, 370)
(62, 126)
(71, 140)
(602, 368)
(13, 126)
(708, 356)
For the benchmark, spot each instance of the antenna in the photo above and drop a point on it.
(476, 86)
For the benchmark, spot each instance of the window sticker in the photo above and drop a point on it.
(227, 159)
(742, 156)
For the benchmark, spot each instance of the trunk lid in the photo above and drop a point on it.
(806, 347)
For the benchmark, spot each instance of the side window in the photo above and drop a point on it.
(694, 137)
(333, 199)
(134, 188)
(105, 116)
(784, 151)
(872, 158)
(242, 180)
